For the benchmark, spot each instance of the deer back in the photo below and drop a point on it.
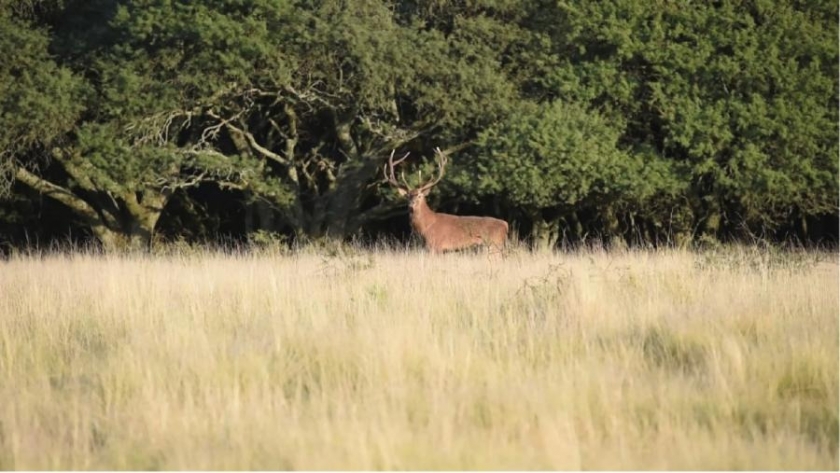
(443, 232)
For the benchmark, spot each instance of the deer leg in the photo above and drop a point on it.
(495, 250)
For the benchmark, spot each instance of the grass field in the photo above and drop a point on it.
(397, 360)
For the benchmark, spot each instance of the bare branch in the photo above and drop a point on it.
(249, 137)
(156, 128)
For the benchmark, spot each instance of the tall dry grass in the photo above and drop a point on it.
(637, 360)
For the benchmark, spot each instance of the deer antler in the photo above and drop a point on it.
(388, 172)
(442, 160)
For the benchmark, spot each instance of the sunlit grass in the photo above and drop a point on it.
(631, 360)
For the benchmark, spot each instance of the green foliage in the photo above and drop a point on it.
(560, 154)
(649, 119)
(747, 114)
(169, 55)
(39, 99)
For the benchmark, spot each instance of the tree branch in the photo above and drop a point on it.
(252, 141)
(82, 178)
(58, 193)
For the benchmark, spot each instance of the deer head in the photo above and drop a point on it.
(416, 196)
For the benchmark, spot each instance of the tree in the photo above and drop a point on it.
(361, 82)
(648, 120)
(104, 151)
(303, 100)
(746, 115)
(556, 160)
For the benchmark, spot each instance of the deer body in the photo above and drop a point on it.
(444, 232)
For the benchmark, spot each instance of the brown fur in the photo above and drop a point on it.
(440, 231)
(443, 232)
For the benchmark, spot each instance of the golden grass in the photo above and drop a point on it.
(398, 360)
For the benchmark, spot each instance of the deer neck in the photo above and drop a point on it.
(423, 218)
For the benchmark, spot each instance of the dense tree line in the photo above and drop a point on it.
(628, 120)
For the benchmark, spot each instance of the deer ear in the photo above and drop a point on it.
(402, 191)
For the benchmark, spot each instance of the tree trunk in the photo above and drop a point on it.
(131, 230)
(143, 211)
(335, 215)
(116, 241)
(345, 199)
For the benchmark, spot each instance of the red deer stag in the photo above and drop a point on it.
(440, 231)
